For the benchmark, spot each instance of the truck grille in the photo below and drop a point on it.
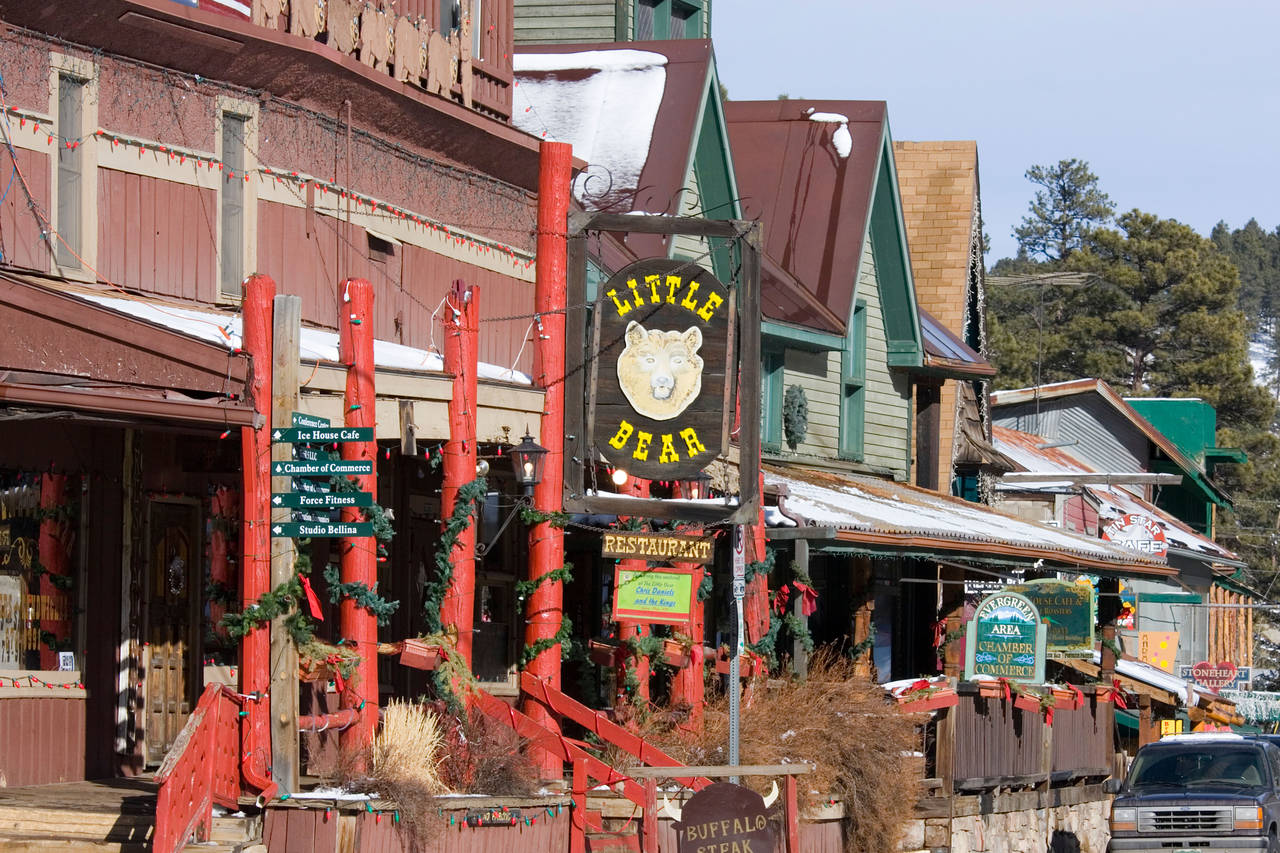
(1185, 819)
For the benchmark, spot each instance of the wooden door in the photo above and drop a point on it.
(172, 603)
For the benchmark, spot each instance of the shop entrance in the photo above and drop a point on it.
(172, 611)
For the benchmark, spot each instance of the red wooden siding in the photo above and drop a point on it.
(1080, 517)
(23, 245)
(157, 236)
(43, 741)
(407, 286)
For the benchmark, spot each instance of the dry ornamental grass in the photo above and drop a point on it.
(860, 744)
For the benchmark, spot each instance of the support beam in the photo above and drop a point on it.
(461, 354)
(358, 625)
(545, 612)
(56, 561)
(628, 660)
(285, 753)
(255, 539)
(799, 654)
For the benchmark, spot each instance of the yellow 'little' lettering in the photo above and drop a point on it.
(673, 284)
(623, 307)
(709, 307)
(652, 281)
(631, 283)
(689, 301)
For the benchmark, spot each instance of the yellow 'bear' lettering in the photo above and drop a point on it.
(690, 437)
(623, 434)
(643, 440)
(668, 450)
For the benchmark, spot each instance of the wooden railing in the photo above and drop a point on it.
(988, 741)
(201, 769)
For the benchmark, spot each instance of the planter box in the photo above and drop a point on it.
(419, 655)
(991, 690)
(675, 654)
(945, 698)
(1027, 703)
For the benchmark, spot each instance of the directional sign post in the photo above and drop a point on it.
(311, 501)
(321, 529)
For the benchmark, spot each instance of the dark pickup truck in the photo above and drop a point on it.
(1209, 793)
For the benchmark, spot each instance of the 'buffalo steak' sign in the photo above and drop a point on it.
(662, 399)
(725, 817)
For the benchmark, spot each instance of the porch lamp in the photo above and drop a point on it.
(695, 487)
(527, 459)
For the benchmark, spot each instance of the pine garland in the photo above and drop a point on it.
(469, 500)
(562, 638)
(361, 593)
(531, 516)
(525, 589)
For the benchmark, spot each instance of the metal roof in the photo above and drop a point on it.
(895, 517)
(944, 352)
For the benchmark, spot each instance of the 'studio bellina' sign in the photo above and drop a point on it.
(662, 394)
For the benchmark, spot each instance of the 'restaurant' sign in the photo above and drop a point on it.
(662, 398)
(658, 547)
(1137, 533)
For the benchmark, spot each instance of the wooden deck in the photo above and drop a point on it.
(119, 796)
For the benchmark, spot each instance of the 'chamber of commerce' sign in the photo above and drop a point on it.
(1005, 639)
(658, 547)
(653, 595)
(662, 396)
(1137, 533)
(1069, 611)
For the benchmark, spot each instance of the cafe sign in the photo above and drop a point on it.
(1137, 532)
(663, 396)
(1006, 639)
(1069, 612)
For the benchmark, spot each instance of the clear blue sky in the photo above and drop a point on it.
(1175, 105)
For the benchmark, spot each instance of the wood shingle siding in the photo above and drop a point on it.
(545, 22)
(887, 422)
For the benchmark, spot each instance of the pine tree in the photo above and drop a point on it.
(1064, 210)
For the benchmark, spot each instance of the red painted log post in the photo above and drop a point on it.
(357, 624)
(52, 548)
(255, 540)
(628, 659)
(756, 606)
(221, 569)
(545, 608)
(461, 358)
(687, 685)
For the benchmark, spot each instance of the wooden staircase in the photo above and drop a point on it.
(113, 816)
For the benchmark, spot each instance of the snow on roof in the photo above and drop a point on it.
(1112, 501)
(840, 138)
(877, 506)
(604, 102)
(318, 344)
(1188, 691)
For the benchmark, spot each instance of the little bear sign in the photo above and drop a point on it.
(662, 399)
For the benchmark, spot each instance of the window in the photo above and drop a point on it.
(667, 19)
(232, 208)
(71, 129)
(477, 30)
(771, 401)
(853, 380)
(450, 16)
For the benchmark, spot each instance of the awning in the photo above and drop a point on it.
(1137, 676)
(892, 518)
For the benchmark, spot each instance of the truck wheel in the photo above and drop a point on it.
(1273, 843)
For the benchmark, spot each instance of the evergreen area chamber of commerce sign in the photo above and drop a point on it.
(1005, 639)
(663, 381)
(1069, 611)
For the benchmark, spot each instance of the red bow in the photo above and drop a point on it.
(1079, 700)
(338, 681)
(780, 599)
(312, 602)
(1048, 716)
(1004, 682)
(810, 602)
(1117, 695)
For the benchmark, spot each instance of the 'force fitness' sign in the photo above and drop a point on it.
(1005, 639)
(662, 393)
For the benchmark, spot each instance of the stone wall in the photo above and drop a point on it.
(1063, 820)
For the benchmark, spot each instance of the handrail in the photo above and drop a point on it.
(593, 721)
(200, 769)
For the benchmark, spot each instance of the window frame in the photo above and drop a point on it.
(773, 364)
(85, 155)
(853, 387)
(245, 111)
